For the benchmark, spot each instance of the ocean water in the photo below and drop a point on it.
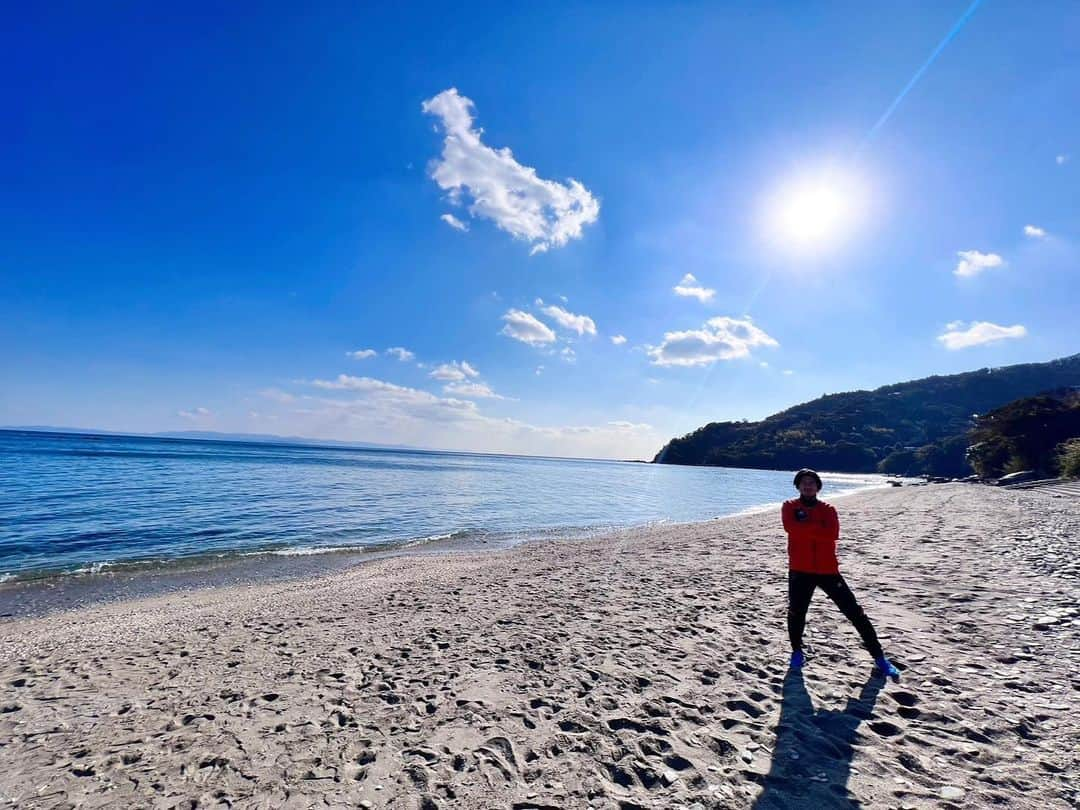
(84, 504)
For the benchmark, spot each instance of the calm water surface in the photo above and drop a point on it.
(80, 503)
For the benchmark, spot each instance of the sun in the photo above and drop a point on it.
(816, 211)
(812, 213)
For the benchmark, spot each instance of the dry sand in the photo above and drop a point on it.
(643, 669)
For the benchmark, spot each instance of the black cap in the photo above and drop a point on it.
(804, 472)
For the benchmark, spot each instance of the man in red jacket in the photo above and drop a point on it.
(813, 528)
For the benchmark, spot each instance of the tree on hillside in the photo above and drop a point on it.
(1068, 456)
(1025, 434)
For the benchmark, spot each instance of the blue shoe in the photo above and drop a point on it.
(886, 668)
(797, 660)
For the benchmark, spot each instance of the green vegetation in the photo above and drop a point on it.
(1068, 456)
(911, 428)
(1029, 434)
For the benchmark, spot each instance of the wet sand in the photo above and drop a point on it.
(643, 669)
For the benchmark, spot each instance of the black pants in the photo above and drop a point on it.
(801, 589)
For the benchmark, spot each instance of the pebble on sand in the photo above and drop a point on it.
(952, 794)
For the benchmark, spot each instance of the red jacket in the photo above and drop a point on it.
(812, 534)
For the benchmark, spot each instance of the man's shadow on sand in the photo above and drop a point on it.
(814, 744)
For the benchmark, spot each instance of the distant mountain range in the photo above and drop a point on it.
(270, 438)
(214, 436)
(862, 431)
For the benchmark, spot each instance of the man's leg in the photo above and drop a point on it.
(837, 590)
(800, 591)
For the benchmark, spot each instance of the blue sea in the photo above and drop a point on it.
(77, 504)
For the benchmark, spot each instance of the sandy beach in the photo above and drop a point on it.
(645, 669)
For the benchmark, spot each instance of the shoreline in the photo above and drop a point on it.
(644, 670)
(119, 582)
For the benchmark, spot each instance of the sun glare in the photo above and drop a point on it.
(815, 212)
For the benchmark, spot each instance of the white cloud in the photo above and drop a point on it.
(526, 328)
(346, 382)
(194, 413)
(720, 338)
(471, 390)
(977, 334)
(764, 364)
(622, 424)
(454, 372)
(582, 324)
(618, 340)
(539, 370)
(1034, 231)
(367, 409)
(454, 222)
(1061, 160)
(568, 355)
(972, 262)
(361, 354)
(404, 355)
(544, 213)
(787, 372)
(689, 287)
(378, 403)
(276, 395)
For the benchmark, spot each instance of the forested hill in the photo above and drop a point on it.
(858, 430)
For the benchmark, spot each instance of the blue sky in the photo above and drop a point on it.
(226, 222)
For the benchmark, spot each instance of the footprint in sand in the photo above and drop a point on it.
(746, 707)
(654, 747)
(906, 702)
(571, 727)
(625, 723)
(883, 728)
(677, 763)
